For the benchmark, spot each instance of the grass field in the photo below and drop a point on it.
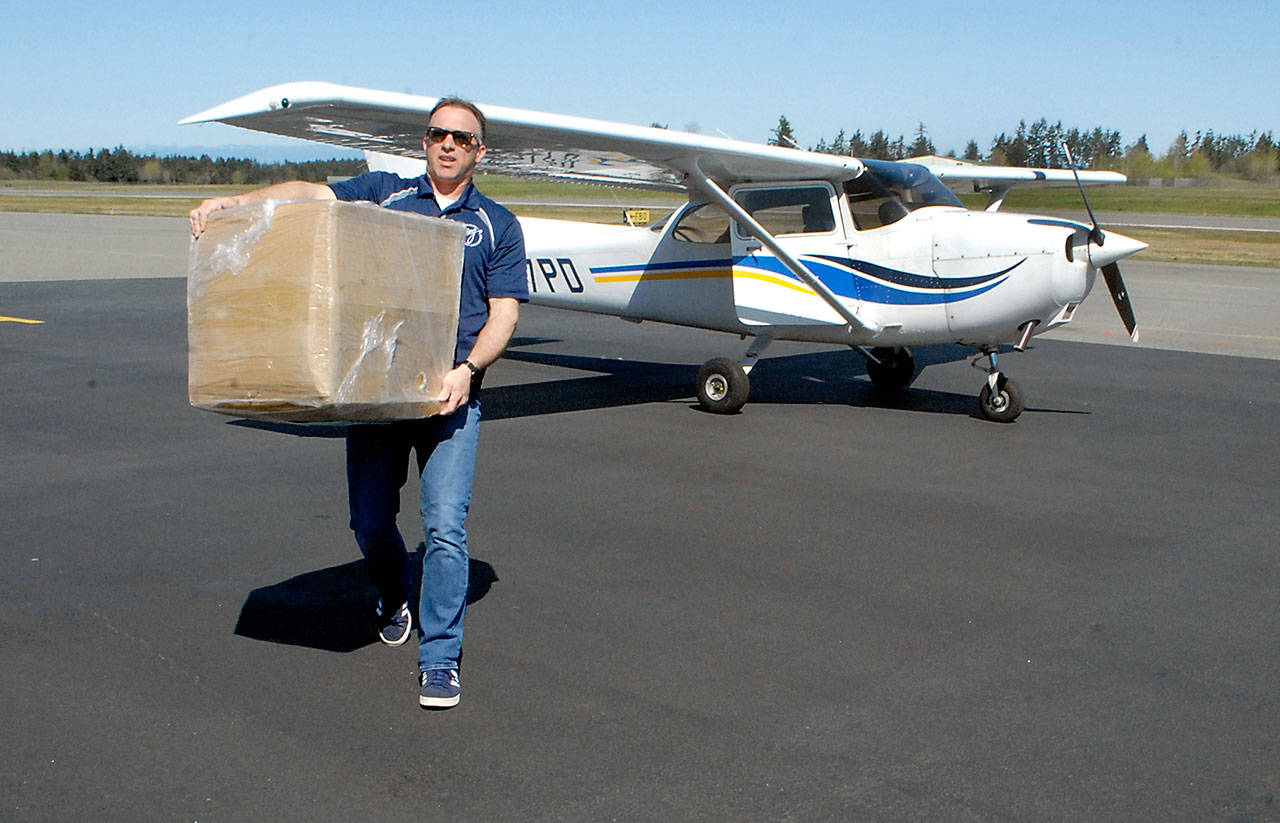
(1219, 248)
(1234, 199)
(1227, 199)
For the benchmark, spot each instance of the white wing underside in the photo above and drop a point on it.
(962, 176)
(518, 141)
(552, 145)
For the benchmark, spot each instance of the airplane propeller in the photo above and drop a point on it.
(1104, 250)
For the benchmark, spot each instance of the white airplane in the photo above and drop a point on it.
(773, 244)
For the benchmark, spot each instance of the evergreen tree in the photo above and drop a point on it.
(840, 145)
(922, 145)
(1037, 142)
(1017, 150)
(782, 134)
(857, 146)
(878, 147)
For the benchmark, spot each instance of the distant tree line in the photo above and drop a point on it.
(119, 165)
(1252, 157)
(1039, 145)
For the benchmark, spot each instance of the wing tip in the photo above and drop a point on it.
(270, 98)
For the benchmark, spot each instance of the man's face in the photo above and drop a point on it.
(449, 164)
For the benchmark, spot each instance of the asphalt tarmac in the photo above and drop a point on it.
(827, 607)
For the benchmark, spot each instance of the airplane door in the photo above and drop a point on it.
(803, 220)
(890, 250)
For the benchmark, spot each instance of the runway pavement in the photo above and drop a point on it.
(824, 608)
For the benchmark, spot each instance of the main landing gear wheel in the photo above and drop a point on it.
(722, 386)
(1004, 404)
(890, 370)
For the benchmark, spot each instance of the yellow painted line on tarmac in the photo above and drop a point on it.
(4, 319)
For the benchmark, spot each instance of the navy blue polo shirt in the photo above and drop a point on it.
(493, 254)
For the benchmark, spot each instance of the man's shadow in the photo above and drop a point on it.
(334, 609)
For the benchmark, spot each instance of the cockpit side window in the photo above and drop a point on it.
(871, 204)
(706, 223)
(796, 210)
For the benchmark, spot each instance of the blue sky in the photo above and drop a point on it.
(83, 76)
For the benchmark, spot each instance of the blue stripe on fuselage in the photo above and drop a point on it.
(846, 277)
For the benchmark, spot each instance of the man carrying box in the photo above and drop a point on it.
(493, 286)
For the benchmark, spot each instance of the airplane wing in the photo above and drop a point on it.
(961, 176)
(522, 142)
(576, 148)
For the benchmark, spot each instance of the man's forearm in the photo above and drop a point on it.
(291, 190)
(491, 342)
(496, 332)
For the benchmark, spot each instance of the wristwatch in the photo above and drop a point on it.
(472, 366)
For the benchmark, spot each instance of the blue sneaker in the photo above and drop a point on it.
(440, 688)
(396, 627)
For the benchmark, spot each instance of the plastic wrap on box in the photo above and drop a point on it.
(322, 311)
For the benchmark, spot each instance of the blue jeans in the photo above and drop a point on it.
(377, 468)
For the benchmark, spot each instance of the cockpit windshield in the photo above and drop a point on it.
(886, 192)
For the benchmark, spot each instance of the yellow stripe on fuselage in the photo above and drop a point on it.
(773, 279)
(688, 274)
(700, 274)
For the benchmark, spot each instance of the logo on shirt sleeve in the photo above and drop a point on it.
(474, 235)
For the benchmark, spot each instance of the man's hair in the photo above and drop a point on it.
(458, 102)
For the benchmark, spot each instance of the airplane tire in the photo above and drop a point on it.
(722, 386)
(1005, 404)
(894, 371)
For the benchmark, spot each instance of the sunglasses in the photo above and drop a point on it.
(461, 139)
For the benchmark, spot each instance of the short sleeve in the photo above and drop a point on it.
(507, 267)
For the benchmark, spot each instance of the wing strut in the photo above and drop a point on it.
(740, 214)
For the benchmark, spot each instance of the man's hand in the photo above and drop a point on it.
(456, 390)
(199, 216)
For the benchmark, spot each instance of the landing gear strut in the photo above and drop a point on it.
(1000, 399)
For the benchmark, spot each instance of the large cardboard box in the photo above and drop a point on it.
(319, 311)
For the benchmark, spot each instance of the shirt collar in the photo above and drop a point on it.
(467, 200)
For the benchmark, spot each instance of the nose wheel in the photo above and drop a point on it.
(1001, 398)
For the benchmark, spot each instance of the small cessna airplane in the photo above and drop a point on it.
(773, 244)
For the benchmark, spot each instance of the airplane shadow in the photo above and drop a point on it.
(836, 377)
(333, 609)
(828, 377)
